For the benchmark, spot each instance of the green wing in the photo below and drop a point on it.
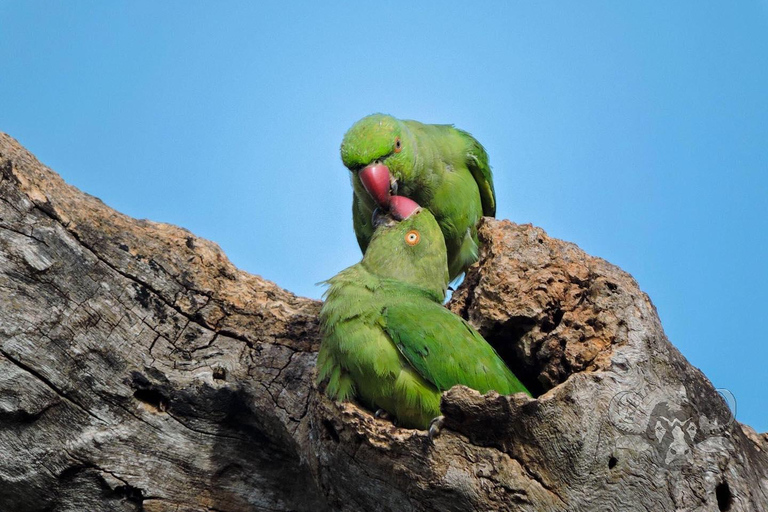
(446, 350)
(477, 162)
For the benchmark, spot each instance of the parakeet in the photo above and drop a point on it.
(440, 167)
(387, 339)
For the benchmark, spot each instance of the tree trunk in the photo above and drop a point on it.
(140, 370)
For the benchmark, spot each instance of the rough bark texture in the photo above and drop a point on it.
(140, 370)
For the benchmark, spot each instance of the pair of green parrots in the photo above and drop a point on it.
(419, 191)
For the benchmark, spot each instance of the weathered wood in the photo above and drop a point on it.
(140, 370)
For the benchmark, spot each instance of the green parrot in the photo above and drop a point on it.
(440, 167)
(387, 339)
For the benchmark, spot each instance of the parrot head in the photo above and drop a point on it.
(408, 246)
(380, 150)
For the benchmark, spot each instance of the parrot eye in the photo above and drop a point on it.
(412, 237)
(398, 145)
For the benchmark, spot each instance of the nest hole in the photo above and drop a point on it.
(153, 398)
(331, 430)
(724, 496)
(505, 338)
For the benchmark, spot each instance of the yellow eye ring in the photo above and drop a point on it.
(398, 145)
(412, 237)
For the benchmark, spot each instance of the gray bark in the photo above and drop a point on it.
(140, 370)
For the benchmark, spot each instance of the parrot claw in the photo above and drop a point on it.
(435, 426)
(381, 414)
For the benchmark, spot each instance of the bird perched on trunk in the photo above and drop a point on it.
(387, 339)
(440, 167)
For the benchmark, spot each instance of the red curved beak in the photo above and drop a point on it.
(402, 207)
(375, 178)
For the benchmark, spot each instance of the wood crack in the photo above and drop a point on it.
(51, 386)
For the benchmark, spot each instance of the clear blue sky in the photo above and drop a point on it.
(637, 130)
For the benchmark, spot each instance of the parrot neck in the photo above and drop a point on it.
(431, 282)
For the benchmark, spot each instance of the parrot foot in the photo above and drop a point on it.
(381, 414)
(435, 426)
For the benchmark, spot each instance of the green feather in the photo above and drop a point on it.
(388, 341)
(446, 350)
(440, 167)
